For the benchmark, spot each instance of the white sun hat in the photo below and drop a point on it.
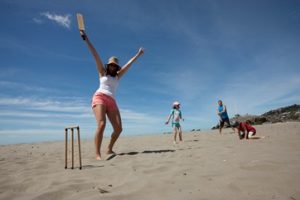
(176, 103)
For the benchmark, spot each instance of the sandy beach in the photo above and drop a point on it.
(206, 165)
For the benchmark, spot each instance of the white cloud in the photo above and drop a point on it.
(30, 132)
(75, 109)
(62, 20)
(38, 20)
(21, 86)
(142, 123)
(33, 114)
(45, 104)
(26, 123)
(248, 94)
(8, 71)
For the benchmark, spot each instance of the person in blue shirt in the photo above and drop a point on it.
(176, 116)
(223, 115)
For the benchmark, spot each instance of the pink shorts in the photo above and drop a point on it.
(103, 99)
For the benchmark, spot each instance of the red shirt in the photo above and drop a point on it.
(244, 126)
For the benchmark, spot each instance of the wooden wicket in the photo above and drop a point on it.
(72, 147)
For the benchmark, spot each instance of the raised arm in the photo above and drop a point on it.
(97, 58)
(129, 63)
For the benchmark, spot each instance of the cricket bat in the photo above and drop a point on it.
(81, 25)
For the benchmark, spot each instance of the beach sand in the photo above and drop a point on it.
(206, 165)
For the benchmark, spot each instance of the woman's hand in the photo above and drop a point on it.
(83, 35)
(141, 51)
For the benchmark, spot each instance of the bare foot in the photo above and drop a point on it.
(98, 157)
(110, 152)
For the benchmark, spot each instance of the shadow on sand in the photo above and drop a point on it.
(146, 151)
(130, 154)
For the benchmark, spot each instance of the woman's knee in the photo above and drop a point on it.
(118, 130)
(101, 125)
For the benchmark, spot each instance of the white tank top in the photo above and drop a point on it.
(108, 85)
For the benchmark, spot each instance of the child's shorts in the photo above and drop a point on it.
(176, 124)
(103, 99)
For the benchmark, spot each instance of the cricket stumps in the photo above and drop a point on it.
(72, 145)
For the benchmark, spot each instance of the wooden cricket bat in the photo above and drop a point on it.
(81, 25)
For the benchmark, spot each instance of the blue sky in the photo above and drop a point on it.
(246, 53)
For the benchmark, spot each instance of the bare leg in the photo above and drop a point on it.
(180, 133)
(231, 127)
(220, 128)
(99, 112)
(252, 136)
(116, 122)
(175, 134)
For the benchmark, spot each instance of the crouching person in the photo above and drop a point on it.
(245, 130)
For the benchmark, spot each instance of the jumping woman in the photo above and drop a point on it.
(103, 101)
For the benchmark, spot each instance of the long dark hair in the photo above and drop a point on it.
(112, 73)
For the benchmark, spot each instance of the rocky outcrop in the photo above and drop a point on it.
(289, 113)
